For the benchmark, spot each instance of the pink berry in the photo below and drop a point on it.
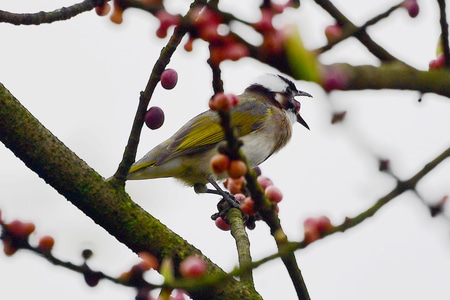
(239, 197)
(264, 181)
(311, 235)
(323, 224)
(437, 63)
(154, 118)
(274, 194)
(222, 224)
(315, 227)
(193, 266)
(169, 79)
(223, 102)
(412, 7)
(235, 185)
(333, 31)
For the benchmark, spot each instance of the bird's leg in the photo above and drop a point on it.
(218, 191)
(202, 189)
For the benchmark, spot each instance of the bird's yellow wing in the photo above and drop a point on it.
(204, 131)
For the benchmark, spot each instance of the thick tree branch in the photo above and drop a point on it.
(391, 76)
(109, 207)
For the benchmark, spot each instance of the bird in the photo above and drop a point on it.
(263, 120)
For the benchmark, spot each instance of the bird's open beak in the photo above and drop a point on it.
(299, 118)
(301, 121)
(301, 93)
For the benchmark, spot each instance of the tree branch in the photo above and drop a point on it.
(361, 35)
(353, 30)
(444, 32)
(111, 208)
(61, 14)
(242, 244)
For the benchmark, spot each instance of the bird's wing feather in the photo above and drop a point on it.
(204, 131)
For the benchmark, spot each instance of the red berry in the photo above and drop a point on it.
(222, 224)
(166, 20)
(103, 9)
(265, 23)
(20, 229)
(247, 206)
(8, 247)
(193, 266)
(235, 185)
(117, 14)
(189, 44)
(46, 243)
(154, 118)
(219, 163)
(148, 261)
(169, 79)
(237, 169)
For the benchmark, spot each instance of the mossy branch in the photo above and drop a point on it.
(110, 207)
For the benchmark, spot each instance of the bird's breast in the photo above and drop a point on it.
(262, 143)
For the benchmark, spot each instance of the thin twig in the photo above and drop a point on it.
(348, 32)
(362, 35)
(61, 14)
(444, 32)
(163, 60)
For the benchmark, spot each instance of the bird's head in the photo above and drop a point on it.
(280, 92)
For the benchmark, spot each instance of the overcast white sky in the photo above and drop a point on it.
(81, 78)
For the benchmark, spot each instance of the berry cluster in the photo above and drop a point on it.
(235, 184)
(208, 23)
(15, 236)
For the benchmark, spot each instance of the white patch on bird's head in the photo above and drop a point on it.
(274, 83)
